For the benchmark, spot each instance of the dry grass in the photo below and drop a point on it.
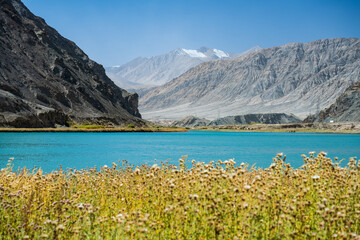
(194, 200)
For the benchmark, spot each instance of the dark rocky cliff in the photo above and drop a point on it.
(46, 79)
(345, 109)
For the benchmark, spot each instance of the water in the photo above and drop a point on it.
(82, 150)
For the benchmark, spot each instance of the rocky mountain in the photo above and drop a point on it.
(46, 79)
(148, 72)
(345, 109)
(296, 78)
(268, 118)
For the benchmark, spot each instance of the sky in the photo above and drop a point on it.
(113, 32)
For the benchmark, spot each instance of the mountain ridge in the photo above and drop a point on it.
(294, 78)
(46, 79)
(154, 71)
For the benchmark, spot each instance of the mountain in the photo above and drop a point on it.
(296, 78)
(267, 118)
(148, 72)
(345, 109)
(46, 79)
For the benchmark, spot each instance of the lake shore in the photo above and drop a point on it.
(347, 128)
(94, 130)
(353, 128)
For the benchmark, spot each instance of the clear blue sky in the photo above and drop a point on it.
(113, 32)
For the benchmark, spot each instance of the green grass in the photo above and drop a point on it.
(193, 200)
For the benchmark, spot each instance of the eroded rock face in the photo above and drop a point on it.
(296, 78)
(345, 109)
(46, 79)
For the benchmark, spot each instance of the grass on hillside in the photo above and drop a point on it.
(194, 200)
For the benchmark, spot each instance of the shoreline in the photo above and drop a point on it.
(344, 128)
(336, 128)
(97, 130)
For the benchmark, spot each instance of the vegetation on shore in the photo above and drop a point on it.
(97, 128)
(292, 127)
(194, 200)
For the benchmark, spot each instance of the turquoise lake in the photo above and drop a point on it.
(82, 150)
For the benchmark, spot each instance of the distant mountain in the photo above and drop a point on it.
(296, 78)
(345, 109)
(148, 72)
(46, 79)
(190, 121)
(267, 118)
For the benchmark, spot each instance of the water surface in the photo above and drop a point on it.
(82, 150)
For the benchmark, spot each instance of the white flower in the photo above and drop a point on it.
(247, 187)
(315, 177)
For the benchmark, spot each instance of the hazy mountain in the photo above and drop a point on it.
(345, 109)
(148, 72)
(46, 79)
(296, 78)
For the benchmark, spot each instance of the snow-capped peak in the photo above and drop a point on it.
(220, 54)
(194, 53)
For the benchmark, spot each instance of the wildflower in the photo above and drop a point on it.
(247, 187)
(315, 177)
(60, 227)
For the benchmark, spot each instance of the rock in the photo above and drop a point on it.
(45, 79)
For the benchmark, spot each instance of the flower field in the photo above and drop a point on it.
(191, 200)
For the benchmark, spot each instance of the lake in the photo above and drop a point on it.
(82, 150)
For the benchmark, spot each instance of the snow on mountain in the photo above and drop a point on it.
(221, 54)
(194, 53)
(143, 73)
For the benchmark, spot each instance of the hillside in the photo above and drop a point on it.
(345, 109)
(296, 78)
(46, 79)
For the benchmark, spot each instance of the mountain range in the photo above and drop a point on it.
(144, 72)
(45, 79)
(297, 78)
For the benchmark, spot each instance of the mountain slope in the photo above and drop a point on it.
(295, 78)
(345, 109)
(46, 79)
(155, 71)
